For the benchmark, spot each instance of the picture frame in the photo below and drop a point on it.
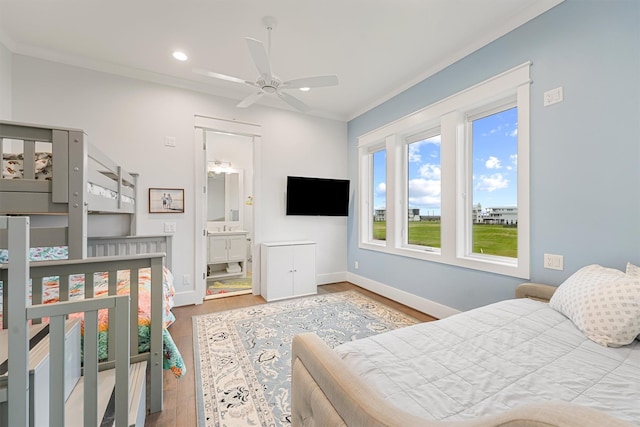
(166, 200)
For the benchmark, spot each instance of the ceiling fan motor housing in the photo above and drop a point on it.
(269, 86)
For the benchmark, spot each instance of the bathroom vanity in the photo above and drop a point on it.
(226, 254)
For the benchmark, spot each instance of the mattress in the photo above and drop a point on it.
(495, 358)
(172, 358)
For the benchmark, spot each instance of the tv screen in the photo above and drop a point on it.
(317, 196)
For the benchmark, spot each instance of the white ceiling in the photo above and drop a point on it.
(377, 48)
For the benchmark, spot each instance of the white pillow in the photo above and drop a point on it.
(633, 270)
(604, 303)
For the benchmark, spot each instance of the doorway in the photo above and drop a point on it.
(229, 214)
(228, 232)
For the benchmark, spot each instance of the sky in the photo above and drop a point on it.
(494, 154)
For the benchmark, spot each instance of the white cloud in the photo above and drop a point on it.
(492, 182)
(430, 171)
(424, 192)
(381, 189)
(414, 153)
(493, 163)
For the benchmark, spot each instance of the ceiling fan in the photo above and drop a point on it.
(267, 83)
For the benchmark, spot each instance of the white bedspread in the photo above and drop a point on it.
(494, 358)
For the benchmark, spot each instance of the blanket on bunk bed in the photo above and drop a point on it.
(13, 166)
(172, 359)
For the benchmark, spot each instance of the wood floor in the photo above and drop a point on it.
(180, 394)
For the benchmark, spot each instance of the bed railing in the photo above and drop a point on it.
(19, 271)
(76, 167)
(18, 342)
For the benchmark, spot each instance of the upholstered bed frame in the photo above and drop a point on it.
(325, 393)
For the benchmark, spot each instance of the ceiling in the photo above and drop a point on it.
(376, 48)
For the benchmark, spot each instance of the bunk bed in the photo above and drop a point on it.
(49, 170)
(69, 182)
(58, 395)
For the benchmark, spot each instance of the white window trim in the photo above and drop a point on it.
(455, 207)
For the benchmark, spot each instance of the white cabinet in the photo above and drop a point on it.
(227, 254)
(288, 269)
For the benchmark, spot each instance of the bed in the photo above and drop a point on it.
(71, 399)
(52, 170)
(47, 291)
(61, 182)
(565, 357)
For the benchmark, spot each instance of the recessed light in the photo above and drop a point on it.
(305, 89)
(180, 56)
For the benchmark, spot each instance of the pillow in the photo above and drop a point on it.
(604, 303)
(633, 270)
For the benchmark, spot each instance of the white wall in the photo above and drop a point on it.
(128, 120)
(5, 82)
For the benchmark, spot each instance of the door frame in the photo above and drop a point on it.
(203, 124)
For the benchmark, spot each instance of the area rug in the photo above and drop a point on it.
(229, 285)
(243, 356)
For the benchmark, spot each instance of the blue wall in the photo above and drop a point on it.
(585, 151)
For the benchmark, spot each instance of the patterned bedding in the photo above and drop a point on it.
(12, 168)
(172, 359)
(495, 358)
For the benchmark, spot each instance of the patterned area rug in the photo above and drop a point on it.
(243, 356)
(216, 287)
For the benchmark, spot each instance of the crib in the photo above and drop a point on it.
(55, 171)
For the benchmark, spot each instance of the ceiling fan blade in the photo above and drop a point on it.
(221, 76)
(294, 102)
(310, 82)
(250, 99)
(260, 58)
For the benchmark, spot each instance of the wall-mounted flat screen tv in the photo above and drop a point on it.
(317, 196)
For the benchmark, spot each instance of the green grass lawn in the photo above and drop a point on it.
(487, 239)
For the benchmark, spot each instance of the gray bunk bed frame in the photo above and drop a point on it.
(122, 350)
(76, 164)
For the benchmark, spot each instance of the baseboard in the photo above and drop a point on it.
(324, 279)
(186, 298)
(424, 305)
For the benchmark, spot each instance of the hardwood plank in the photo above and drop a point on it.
(180, 394)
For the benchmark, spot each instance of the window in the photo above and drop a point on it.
(450, 182)
(423, 191)
(494, 150)
(379, 196)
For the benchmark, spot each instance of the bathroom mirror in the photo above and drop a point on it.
(224, 195)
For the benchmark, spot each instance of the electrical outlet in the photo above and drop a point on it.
(553, 96)
(186, 279)
(553, 262)
(169, 141)
(356, 265)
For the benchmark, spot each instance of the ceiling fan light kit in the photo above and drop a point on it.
(266, 82)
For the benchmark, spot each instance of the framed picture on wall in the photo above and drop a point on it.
(166, 200)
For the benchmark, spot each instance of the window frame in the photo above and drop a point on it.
(450, 116)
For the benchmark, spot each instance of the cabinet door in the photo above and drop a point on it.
(217, 249)
(279, 277)
(304, 267)
(236, 248)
